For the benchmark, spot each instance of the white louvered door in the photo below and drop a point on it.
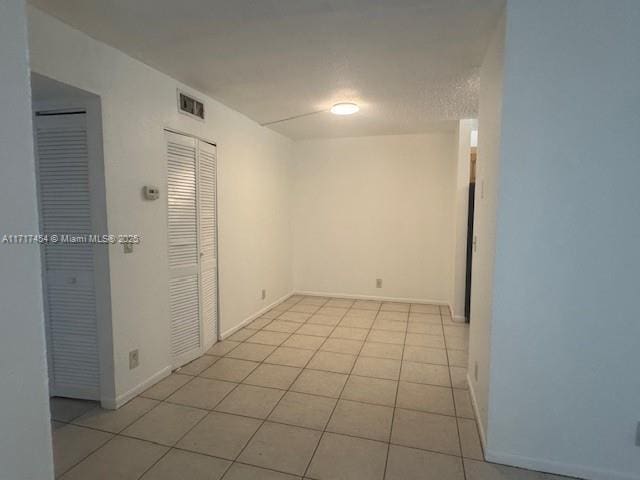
(184, 291)
(207, 237)
(193, 274)
(68, 269)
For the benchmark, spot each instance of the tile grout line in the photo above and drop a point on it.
(324, 430)
(301, 324)
(278, 402)
(165, 400)
(83, 458)
(213, 410)
(332, 351)
(455, 411)
(119, 433)
(316, 351)
(190, 429)
(161, 401)
(199, 421)
(233, 390)
(312, 357)
(278, 422)
(395, 402)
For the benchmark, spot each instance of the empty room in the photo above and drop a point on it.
(319, 239)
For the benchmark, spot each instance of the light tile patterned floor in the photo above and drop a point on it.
(316, 388)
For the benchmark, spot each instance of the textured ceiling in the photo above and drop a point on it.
(411, 65)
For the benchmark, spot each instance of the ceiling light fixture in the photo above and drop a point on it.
(342, 108)
(345, 108)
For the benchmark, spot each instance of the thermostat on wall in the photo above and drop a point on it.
(150, 192)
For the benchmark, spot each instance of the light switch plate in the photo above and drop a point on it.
(150, 192)
(378, 283)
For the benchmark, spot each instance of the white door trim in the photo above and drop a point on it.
(205, 343)
(99, 224)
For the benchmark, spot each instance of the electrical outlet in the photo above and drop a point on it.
(638, 435)
(475, 371)
(127, 247)
(264, 294)
(134, 359)
(378, 283)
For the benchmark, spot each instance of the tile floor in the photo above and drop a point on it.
(316, 388)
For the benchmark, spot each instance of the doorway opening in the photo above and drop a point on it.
(473, 153)
(67, 133)
(192, 246)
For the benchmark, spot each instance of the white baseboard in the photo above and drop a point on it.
(371, 297)
(541, 465)
(476, 410)
(459, 318)
(120, 400)
(557, 468)
(252, 317)
(73, 391)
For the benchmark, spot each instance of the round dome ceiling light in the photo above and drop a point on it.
(345, 108)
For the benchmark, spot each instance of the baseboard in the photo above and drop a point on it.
(252, 317)
(540, 465)
(120, 400)
(372, 297)
(73, 391)
(459, 318)
(557, 468)
(476, 411)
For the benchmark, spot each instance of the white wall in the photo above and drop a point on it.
(253, 191)
(375, 207)
(461, 216)
(486, 198)
(25, 432)
(565, 335)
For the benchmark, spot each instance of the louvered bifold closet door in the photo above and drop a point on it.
(69, 295)
(184, 301)
(207, 222)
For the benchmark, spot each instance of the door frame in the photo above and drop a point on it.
(204, 346)
(99, 224)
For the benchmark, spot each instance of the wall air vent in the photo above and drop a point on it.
(190, 105)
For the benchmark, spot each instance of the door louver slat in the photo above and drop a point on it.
(207, 212)
(65, 209)
(183, 246)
